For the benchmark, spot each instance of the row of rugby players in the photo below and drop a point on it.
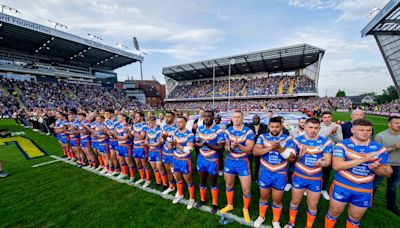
(168, 150)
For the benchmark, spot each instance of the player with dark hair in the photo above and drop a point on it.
(210, 142)
(154, 142)
(313, 153)
(272, 178)
(182, 142)
(356, 161)
(168, 130)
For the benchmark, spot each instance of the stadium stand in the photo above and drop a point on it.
(287, 104)
(278, 85)
(67, 95)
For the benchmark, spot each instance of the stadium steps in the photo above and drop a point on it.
(112, 97)
(18, 97)
(291, 86)
(244, 90)
(280, 88)
(73, 95)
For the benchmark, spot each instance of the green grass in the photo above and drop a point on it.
(380, 123)
(59, 194)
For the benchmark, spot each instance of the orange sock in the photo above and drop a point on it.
(101, 160)
(148, 174)
(180, 188)
(292, 214)
(276, 211)
(310, 218)
(191, 191)
(330, 221)
(164, 178)
(132, 171)
(203, 193)
(214, 194)
(246, 201)
(229, 195)
(158, 176)
(171, 185)
(124, 170)
(350, 223)
(141, 171)
(65, 152)
(68, 154)
(263, 206)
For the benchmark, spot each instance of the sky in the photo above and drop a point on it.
(177, 31)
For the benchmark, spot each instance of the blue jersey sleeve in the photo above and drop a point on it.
(250, 135)
(339, 151)
(220, 136)
(260, 140)
(190, 138)
(328, 147)
(292, 144)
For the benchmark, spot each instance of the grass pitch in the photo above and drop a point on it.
(60, 194)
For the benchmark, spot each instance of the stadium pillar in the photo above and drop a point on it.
(213, 85)
(229, 86)
(141, 71)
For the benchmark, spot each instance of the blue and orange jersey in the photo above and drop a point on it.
(75, 125)
(359, 177)
(93, 125)
(123, 130)
(63, 124)
(101, 137)
(138, 128)
(57, 126)
(239, 136)
(110, 123)
(183, 139)
(169, 130)
(212, 136)
(273, 160)
(153, 136)
(85, 135)
(315, 149)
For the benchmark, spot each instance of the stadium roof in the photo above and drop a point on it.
(272, 60)
(386, 22)
(45, 42)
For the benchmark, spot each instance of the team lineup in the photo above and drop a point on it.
(106, 142)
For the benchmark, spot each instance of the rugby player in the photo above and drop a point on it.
(110, 122)
(138, 132)
(356, 161)
(239, 142)
(154, 142)
(210, 142)
(313, 153)
(182, 143)
(273, 176)
(168, 154)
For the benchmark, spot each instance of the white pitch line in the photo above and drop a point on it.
(45, 163)
(168, 197)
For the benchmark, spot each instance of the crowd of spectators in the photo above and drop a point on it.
(258, 104)
(251, 86)
(50, 95)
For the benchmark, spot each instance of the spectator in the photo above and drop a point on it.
(390, 138)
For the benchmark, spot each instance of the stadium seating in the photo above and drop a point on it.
(52, 95)
(8, 103)
(252, 86)
(282, 104)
